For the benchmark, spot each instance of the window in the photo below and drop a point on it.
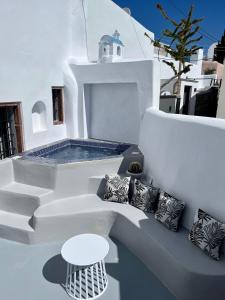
(118, 51)
(57, 101)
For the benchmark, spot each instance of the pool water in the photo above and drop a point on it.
(76, 150)
(71, 152)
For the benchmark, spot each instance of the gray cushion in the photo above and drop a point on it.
(144, 196)
(169, 211)
(207, 234)
(116, 189)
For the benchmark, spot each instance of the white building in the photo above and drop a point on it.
(210, 53)
(49, 70)
(192, 82)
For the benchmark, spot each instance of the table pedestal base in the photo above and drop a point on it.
(87, 282)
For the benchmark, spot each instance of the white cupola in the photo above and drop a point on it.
(110, 48)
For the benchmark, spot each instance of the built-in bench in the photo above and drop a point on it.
(183, 268)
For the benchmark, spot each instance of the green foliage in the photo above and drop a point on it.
(182, 37)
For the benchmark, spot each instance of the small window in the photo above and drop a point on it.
(57, 102)
(119, 51)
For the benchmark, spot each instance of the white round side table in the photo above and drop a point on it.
(86, 276)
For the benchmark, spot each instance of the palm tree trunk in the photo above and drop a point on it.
(177, 88)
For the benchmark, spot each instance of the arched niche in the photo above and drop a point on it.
(39, 117)
(118, 51)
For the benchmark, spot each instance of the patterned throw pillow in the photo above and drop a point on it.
(169, 211)
(208, 234)
(116, 189)
(144, 196)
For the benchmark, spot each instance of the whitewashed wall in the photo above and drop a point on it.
(196, 70)
(35, 42)
(194, 79)
(39, 37)
(104, 17)
(113, 112)
(110, 89)
(185, 157)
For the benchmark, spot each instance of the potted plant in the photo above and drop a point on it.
(135, 169)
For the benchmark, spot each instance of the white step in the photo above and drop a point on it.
(15, 221)
(15, 227)
(21, 198)
(34, 173)
(25, 189)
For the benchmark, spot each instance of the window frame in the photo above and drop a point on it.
(61, 110)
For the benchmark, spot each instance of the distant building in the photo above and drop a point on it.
(190, 83)
(219, 51)
(212, 67)
(210, 53)
(221, 101)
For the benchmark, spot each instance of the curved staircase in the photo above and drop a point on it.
(27, 185)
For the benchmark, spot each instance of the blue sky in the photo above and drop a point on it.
(146, 13)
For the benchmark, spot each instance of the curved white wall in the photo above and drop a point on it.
(185, 156)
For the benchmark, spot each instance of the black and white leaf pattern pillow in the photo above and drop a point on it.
(116, 189)
(208, 234)
(169, 211)
(144, 196)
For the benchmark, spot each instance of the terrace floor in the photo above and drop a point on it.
(37, 272)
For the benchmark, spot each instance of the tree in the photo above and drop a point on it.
(182, 45)
(219, 51)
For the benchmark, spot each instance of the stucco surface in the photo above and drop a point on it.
(38, 272)
(186, 158)
(36, 52)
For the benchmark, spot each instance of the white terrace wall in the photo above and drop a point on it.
(185, 157)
